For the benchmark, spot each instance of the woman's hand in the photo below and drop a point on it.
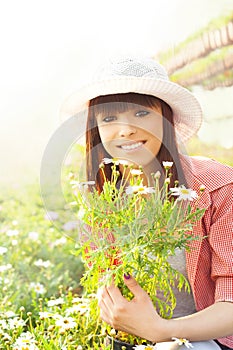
(137, 316)
(140, 318)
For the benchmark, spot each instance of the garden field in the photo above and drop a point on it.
(41, 303)
(39, 276)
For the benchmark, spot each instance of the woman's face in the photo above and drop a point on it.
(135, 134)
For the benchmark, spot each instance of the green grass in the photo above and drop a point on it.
(37, 265)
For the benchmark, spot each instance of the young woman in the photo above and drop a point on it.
(136, 113)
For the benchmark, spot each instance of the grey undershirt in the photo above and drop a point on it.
(185, 304)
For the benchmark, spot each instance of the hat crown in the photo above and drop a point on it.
(141, 76)
(131, 67)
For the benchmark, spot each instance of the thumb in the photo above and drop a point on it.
(133, 286)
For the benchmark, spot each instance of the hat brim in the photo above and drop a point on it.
(186, 108)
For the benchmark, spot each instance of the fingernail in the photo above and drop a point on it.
(127, 276)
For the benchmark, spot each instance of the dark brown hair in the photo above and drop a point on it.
(95, 150)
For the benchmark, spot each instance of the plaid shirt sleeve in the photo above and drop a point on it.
(221, 242)
(210, 263)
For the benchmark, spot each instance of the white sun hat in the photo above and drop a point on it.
(143, 76)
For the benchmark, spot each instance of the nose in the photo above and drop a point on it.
(126, 130)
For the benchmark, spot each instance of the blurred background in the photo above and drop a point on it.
(49, 47)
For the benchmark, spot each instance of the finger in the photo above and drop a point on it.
(104, 314)
(105, 304)
(103, 296)
(134, 287)
(104, 311)
(115, 293)
(99, 294)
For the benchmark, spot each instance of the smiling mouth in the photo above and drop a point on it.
(132, 145)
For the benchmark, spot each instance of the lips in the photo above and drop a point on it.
(131, 146)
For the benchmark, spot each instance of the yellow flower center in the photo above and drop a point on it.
(141, 189)
(184, 191)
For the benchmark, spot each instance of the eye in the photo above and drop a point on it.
(109, 119)
(141, 113)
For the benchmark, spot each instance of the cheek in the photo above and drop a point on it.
(156, 131)
(159, 133)
(106, 135)
(108, 132)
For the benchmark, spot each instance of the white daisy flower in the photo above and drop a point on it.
(79, 308)
(75, 183)
(66, 322)
(33, 235)
(26, 341)
(107, 160)
(136, 172)
(5, 267)
(139, 189)
(42, 263)
(145, 347)
(184, 193)
(167, 165)
(3, 250)
(60, 241)
(11, 233)
(9, 314)
(55, 302)
(3, 324)
(37, 287)
(16, 323)
(115, 161)
(182, 341)
(45, 314)
(6, 336)
(78, 300)
(123, 162)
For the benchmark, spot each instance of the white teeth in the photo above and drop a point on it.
(132, 146)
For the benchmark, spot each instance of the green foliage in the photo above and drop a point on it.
(36, 269)
(132, 228)
(42, 304)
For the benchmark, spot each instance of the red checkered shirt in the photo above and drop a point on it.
(210, 260)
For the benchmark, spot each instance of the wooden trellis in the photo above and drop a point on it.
(205, 58)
